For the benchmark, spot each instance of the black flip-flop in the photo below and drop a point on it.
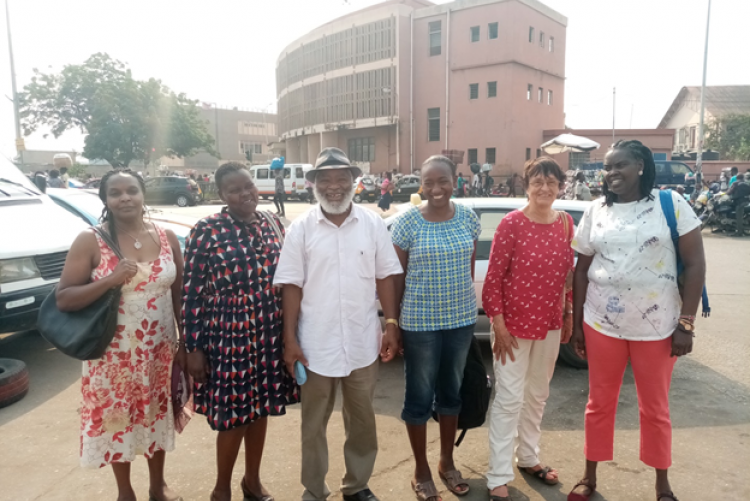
(540, 474)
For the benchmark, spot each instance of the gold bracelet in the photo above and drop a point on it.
(391, 321)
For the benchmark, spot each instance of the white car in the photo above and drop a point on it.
(490, 212)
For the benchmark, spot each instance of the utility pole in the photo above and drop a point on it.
(614, 95)
(699, 156)
(20, 147)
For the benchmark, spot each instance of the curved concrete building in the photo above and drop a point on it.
(402, 80)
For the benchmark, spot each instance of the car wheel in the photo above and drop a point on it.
(14, 381)
(571, 358)
(182, 200)
(358, 198)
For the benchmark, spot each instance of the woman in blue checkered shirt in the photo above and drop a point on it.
(436, 243)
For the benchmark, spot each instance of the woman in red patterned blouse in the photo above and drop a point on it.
(523, 295)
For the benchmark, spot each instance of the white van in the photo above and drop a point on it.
(294, 180)
(36, 237)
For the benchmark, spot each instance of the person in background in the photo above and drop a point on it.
(335, 257)
(739, 192)
(436, 245)
(64, 177)
(628, 308)
(681, 191)
(386, 193)
(488, 183)
(237, 366)
(127, 397)
(460, 186)
(526, 296)
(309, 188)
(581, 189)
(476, 185)
(54, 180)
(518, 185)
(733, 173)
(279, 192)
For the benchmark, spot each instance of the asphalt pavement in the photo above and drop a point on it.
(710, 410)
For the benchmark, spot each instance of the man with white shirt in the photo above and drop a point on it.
(335, 257)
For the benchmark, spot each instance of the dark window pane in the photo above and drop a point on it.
(489, 156)
(492, 31)
(433, 122)
(473, 91)
(528, 153)
(491, 89)
(475, 33)
(472, 156)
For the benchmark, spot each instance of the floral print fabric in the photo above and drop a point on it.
(528, 265)
(127, 406)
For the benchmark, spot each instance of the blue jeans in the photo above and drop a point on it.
(434, 363)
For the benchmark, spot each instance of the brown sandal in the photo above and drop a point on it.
(666, 494)
(425, 490)
(501, 498)
(249, 496)
(574, 496)
(453, 480)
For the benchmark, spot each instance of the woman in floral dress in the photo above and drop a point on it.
(232, 317)
(127, 406)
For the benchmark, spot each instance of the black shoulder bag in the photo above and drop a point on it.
(86, 333)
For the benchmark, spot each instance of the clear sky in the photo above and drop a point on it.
(225, 51)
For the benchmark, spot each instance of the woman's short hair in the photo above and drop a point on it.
(545, 166)
(647, 182)
(441, 159)
(226, 169)
(54, 173)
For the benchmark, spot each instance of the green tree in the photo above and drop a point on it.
(730, 136)
(125, 119)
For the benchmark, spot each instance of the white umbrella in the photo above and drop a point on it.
(569, 142)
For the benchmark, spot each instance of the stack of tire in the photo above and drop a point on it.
(14, 381)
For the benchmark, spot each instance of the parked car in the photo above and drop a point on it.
(490, 212)
(669, 173)
(406, 187)
(37, 235)
(88, 207)
(294, 180)
(92, 184)
(168, 190)
(365, 190)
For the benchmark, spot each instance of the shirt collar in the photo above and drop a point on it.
(353, 215)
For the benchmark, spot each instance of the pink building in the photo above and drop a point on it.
(402, 80)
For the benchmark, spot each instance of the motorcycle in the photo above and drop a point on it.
(721, 215)
(700, 204)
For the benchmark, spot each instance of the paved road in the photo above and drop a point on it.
(710, 407)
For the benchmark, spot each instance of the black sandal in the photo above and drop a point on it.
(249, 496)
(666, 494)
(540, 474)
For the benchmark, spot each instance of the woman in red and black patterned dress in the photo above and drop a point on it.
(232, 318)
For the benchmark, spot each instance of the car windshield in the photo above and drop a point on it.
(87, 203)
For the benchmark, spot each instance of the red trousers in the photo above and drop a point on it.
(652, 369)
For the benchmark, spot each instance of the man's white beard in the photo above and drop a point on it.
(337, 207)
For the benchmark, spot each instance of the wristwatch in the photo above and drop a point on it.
(393, 321)
(686, 325)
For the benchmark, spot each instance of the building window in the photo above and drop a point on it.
(541, 39)
(362, 149)
(491, 89)
(552, 44)
(692, 137)
(529, 88)
(531, 34)
(492, 31)
(434, 29)
(472, 156)
(528, 153)
(579, 158)
(540, 93)
(248, 147)
(433, 124)
(549, 97)
(489, 155)
(473, 91)
(538, 153)
(475, 33)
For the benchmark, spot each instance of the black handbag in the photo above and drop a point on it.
(86, 333)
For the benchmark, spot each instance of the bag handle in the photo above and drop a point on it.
(108, 240)
(270, 220)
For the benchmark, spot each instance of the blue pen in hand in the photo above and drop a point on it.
(299, 373)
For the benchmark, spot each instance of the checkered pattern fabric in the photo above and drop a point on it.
(439, 289)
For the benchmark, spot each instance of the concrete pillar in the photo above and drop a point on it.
(313, 147)
(292, 151)
(329, 139)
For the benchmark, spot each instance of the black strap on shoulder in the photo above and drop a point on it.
(108, 240)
